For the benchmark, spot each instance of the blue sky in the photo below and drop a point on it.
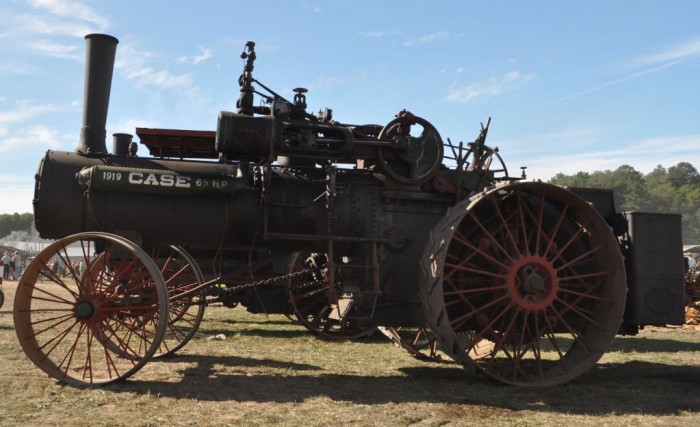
(570, 85)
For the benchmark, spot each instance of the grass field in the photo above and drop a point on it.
(271, 372)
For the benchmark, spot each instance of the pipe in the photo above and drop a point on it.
(99, 65)
(120, 144)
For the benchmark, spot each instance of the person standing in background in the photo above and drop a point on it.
(17, 261)
(6, 262)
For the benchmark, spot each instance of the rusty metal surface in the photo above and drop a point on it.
(176, 143)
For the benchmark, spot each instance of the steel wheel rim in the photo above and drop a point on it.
(532, 268)
(181, 274)
(92, 327)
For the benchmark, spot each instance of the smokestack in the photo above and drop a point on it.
(99, 65)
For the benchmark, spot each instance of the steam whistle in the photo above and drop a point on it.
(245, 81)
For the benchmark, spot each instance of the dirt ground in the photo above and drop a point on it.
(268, 371)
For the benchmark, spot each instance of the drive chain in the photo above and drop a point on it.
(273, 281)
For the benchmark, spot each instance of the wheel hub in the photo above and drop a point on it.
(84, 310)
(532, 283)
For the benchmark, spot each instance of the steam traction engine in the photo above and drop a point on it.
(356, 226)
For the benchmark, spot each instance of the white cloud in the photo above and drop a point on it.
(381, 33)
(495, 86)
(134, 64)
(682, 51)
(677, 148)
(35, 135)
(428, 38)
(130, 125)
(56, 49)
(205, 53)
(30, 25)
(16, 69)
(26, 110)
(71, 10)
(615, 82)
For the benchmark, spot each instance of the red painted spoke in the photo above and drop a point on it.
(501, 218)
(69, 267)
(474, 290)
(536, 350)
(487, 328)
(499, 344)
(571, 331)
(579, 312)
(539, 223)
(57, 299)
(554, 231)
(86, 260)
(490, 236)
(534, 222)
(580, 257)
(552, 339)
(521, 217)
(59, 321)
(176, 331)
(520, 348)
(123, 341)
(586, 295)
(50, 275)
(476, 270)
(461, 299)
(460, 261)
(100, 280)
(176, 275)
(166, 264)
(87, 365)
(578, 278)
(130, 307)
(476, 250)
(68, 357)
(461, 319)
(110, 363)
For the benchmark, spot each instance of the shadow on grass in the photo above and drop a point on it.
(620, 388)
(652, 345)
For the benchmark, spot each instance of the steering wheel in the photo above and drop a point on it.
(413, 155)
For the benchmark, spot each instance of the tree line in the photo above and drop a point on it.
(15, 222)
(672, 190)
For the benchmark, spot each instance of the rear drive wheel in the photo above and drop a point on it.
(532, 268)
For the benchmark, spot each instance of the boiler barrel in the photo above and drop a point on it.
(153, 209)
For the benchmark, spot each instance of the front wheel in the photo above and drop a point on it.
(91, 309)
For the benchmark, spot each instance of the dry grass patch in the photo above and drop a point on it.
(269, 371)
